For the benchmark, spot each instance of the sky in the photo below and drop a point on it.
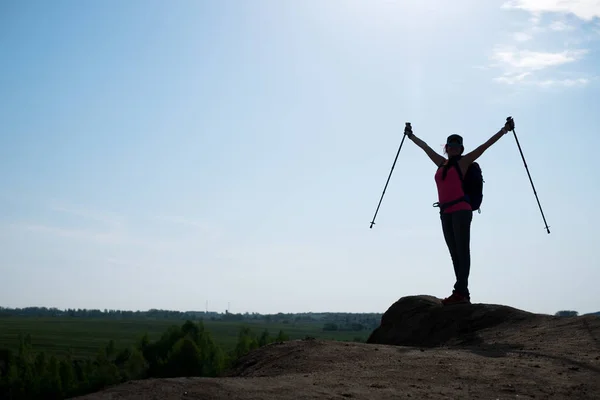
(179, 155)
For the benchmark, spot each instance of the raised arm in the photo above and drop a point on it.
(470, 157)
(435, 157)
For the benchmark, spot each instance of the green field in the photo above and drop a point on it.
(84, 336)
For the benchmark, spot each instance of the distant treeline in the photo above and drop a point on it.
(187, 350)
(343, 321)
(571, 313)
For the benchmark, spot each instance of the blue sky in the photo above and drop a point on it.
(168, 154)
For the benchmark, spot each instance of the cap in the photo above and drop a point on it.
(454, 139)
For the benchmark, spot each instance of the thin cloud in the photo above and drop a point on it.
(111, 219)
(107, 228)
(122, 263)
(586, 10)
(561, 26)
(563, 82)
(522, 36)
(79, 234)
(522, 79)
(522, 65)
(175, 219)
(511, 79)
(209, 231)
(105, 237)
(535, 60)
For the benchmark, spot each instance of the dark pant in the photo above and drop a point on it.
(457, 232)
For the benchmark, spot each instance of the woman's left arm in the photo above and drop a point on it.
(469, 158)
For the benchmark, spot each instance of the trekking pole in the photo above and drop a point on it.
(530, 180)
(407, 128)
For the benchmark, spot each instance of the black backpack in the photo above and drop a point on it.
(472, 184)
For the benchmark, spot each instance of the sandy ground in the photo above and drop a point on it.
(538, 357)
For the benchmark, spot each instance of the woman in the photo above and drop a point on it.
(457, 215)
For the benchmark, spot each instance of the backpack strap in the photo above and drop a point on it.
(447, 204)
(460, 174)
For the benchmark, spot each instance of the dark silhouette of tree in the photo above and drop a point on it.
(566, 313)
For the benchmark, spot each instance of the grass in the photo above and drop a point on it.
(84, 336)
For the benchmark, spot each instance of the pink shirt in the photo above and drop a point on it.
(450, 189)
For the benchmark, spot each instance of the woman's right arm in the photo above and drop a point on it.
(437, 159)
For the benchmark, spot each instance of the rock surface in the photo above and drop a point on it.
(466, 352)
(424, 321)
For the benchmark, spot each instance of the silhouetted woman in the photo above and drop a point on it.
(457, 213)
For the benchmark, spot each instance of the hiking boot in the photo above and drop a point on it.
(456, 298)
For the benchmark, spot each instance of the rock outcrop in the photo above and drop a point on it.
(424, 321)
